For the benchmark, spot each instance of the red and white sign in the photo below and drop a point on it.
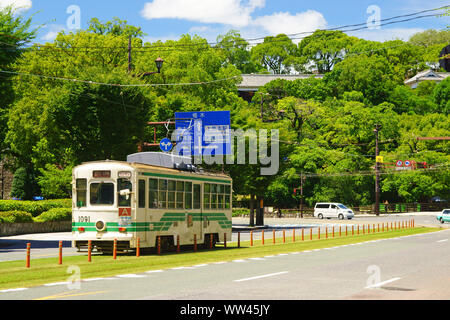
(399, 163)
(407, 163)
(124, 212)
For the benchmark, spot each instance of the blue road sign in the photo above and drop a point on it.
(165, 145)
(207, 132)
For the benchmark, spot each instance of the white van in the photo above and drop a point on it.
(332, 210)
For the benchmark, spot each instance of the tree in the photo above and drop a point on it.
(322, 50)
(274, 53)
(15, 32)
(371, 75)
(116, 27)
(441, 95)
(236, 52)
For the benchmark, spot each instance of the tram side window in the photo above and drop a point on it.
(81, 186)
(197, 196)
(123, 184)
(220, 196)
(206, 196)
(162, 203)
(180, 195)
(101, 193)
(171, 194)
(153, 193)
(227, 197)
(141, 199)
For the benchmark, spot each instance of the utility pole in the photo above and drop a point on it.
(377, 172)
(301, 195)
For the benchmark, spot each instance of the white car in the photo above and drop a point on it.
(332, 210)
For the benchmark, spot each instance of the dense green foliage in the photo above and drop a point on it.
(325, 124)
(15, 217)
(54, 215)
(35, 208)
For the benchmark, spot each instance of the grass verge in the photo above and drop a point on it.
(14, 274)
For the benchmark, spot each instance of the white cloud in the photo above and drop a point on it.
(382, 34)
(287, 23)
(18, 5)
(230, 12)
(54, 29)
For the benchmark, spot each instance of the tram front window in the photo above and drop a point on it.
(124, 184)
(101, 193)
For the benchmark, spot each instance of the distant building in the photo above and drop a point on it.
(251, 82)
(427, 75)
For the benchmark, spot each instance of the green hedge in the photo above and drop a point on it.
(240, 211)
(34, 207)
(15, 217)
(56, 214)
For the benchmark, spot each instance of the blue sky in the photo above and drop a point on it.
(168, 19)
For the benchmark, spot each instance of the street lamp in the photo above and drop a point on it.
(159, 63)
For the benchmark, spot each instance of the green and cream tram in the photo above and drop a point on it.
(129, 200)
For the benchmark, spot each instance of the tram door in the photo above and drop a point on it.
(141, 209)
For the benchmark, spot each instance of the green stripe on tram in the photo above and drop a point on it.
(164, 224)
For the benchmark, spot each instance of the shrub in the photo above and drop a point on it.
(15, 217)
(56, 214)
(240, 211)
(55, 182)
(34, 207)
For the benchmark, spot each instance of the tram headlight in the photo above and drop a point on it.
(100, 226)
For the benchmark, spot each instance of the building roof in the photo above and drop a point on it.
(251, 82)
(427, 75)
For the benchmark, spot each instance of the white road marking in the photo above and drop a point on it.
(220, 262)
(13, 290)
(239, 260)
(153, 271)
(256, 259)
(444, 240)
(199, 265)
(56, 284)
(262, 276)
(379, 284)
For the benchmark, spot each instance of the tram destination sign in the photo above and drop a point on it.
(203, 132)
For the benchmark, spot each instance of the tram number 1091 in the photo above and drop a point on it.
(84, 219)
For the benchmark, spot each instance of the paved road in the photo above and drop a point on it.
(45, 245)
(413, 267)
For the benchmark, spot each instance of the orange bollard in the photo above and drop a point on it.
(346, 231)
(378, 227)
(368, 228)
(357, 231)
(382, 227)
(211, 241)
(303, 235)
(326, 232)
(138, 247)
(318, 235)
(353, 230)
(178, 243)
(89, 250)
(115, 249)
(310, 234)
(195, 242)
(273, 235)
(239, 239)
(27, 264)
(251, 238)
(293, 235)
(60, 253)
(225, 240)
(333, 231)
(262, 237)
(340, 231)
(284, 236)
